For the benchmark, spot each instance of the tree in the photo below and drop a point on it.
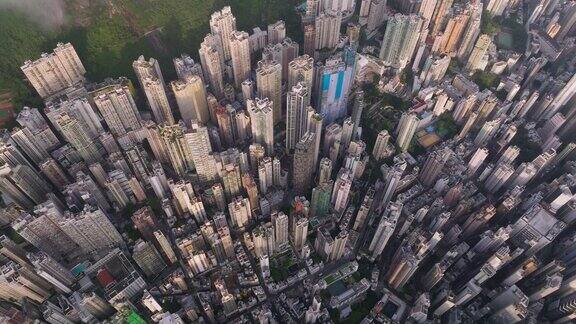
(489, 24)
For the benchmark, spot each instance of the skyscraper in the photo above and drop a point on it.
(269, 84)
(78, 137)
(405, 130)
(325, 170)
(376, 14)
(496, 7)
(333, 82)
(26, 141)
(199, 140)
(262, 122)
(433, 166)
(426, 10)
(434, 69)
(300, 233)
(92, 231)
(148, 258)
(191, 99)
(301, 70)
(303, 168)
(440, 14)
(498, 178)
(297, 100)
(223, 24)
(402, 35)
(54, 72)
(118, 109)
(23, 185)
(472, 31)
(80, 109)
(52, 170)
(186, 67)
(179, 152)
(315, 124)
(240, 211)
(212, 63)
(240, 55)
(357, 112)
(341, 192)
(276, 32)
(31, 119)
(564, 95)
(385, 228)
(321, 198)
(381, 145)
(152, 83)
(448, 42)
(477, 56)
(327, 29)
(309, 39)
(391, 180)
(280, 223)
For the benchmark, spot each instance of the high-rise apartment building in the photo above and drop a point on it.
(240, 54)
(276, 32)
(186, 67)
(23, 185)
(496, 7)
(448, 42)
(198, 140)
(191, 97)
(327, 29)
(148, 258)
(376, 14)
(478, 52)
(240, 211)
(434, 69)
(426, 10)
(223, 24)
(341, 191)
(434, 166)
(92, 231)
(303, 168)
(77, 136)
(56, 71)
(333, 82)
(381, 145)
(400, 40)
(117, 107)
(297, 100)
(471, 33)
(392, 178)
(321, 198)
(179, 152)
(261, 114)
(309, 39)
(152, 83)
(26, 142)
(79, 109)
(212, 61)
(405, 130)
(54, 172)
(46, 235)
(440, 14)
(301, 70)
(385, 229)
(269, 85)
(31, 119)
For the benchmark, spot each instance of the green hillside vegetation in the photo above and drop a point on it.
(109, 37)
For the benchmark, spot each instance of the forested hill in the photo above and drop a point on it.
(109, 34)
